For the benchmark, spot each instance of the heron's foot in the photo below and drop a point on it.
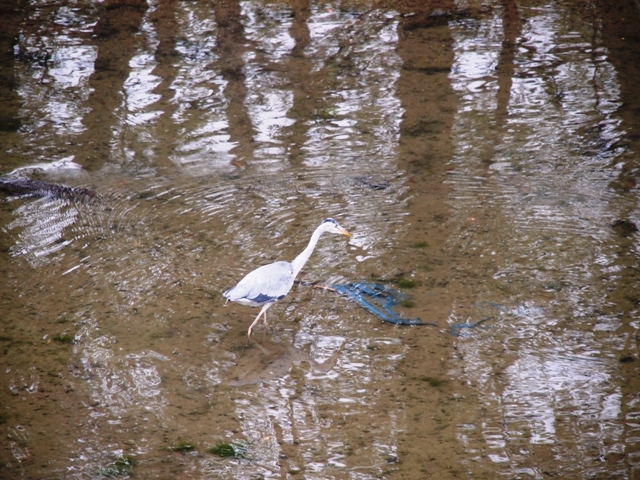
(250, 331)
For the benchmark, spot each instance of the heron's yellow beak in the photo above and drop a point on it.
(344, 232)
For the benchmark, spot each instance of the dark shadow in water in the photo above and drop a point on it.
(302, 82)
(425, 47)
(233, 46)
(620, 34)
(116, 39)
(299, 29)
(429, 104)
(512, 26)
(164, 19)
(12, 13)
(271, 361)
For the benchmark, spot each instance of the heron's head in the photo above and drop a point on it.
(330, 225)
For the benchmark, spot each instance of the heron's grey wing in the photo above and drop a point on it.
(265, 284)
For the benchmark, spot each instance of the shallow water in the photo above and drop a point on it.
(485, 152)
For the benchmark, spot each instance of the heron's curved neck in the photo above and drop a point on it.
(301, 259)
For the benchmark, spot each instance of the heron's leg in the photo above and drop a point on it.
(262, 311)
(264, 315)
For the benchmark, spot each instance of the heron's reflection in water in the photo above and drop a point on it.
(275, 361)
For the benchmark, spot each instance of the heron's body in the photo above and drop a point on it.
(267, 284)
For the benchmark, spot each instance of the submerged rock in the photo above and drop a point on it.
(26, 186)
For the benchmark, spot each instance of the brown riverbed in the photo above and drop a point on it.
(483, 155)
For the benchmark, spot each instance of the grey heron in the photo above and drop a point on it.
(265, 285)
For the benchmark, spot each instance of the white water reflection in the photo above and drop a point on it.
(40, 224)
(52, 79)
(199, 94)
(313, 405)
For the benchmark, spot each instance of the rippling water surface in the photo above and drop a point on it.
(218, 137)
